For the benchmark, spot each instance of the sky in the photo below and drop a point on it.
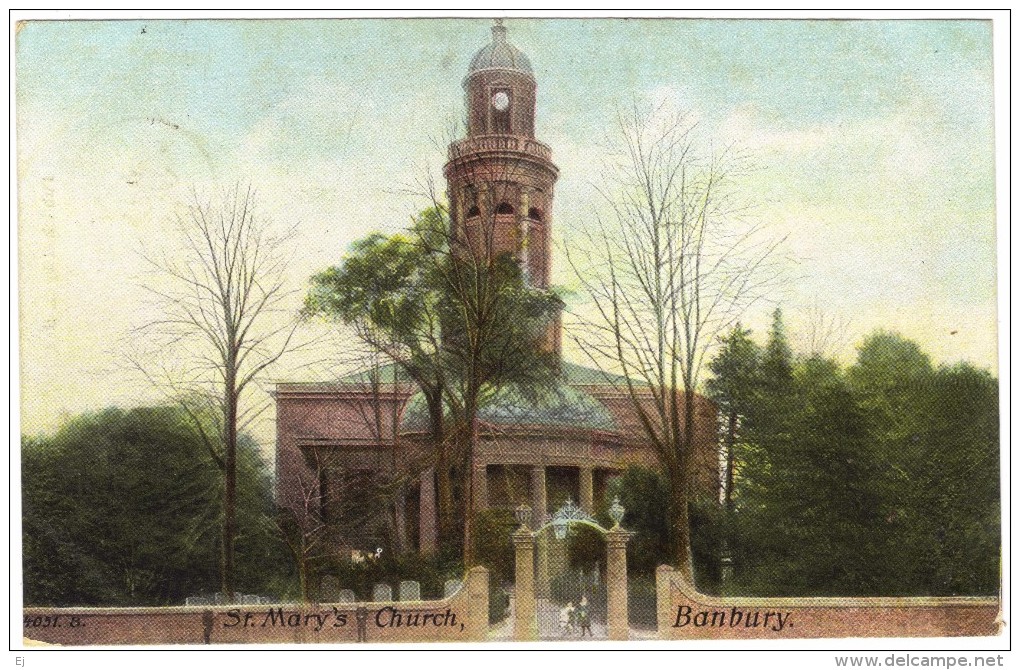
(872, 142)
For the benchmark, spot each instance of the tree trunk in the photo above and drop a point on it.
(731, 439)
(471, 434)
(444, 487)
(680, 491)
(303, 579)
(400, 543)
(229, 486)
(680, 527)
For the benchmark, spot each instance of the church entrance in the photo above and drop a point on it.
(570, 585)
(571, 576)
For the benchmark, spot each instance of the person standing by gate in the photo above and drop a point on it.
(583, 616)
(567, 619)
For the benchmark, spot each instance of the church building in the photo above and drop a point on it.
(370, 426)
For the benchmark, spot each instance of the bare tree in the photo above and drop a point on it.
(825, 333)
(671, 265)
(361, 363)
(222, 319)
(330, 496)
(304, 528)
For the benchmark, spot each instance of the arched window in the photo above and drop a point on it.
(474, 211)
(504, 208)
(535, 214)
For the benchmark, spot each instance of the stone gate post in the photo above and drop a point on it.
(525, 609)
(616, 583)
(477, 589)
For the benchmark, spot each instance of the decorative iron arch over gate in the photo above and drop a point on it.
(526, 610)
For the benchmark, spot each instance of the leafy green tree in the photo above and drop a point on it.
(463, 325)
(493, 328)
(122, 507)
(810, 500)
(878, 480)
(889, 378)
(387, 291)
(777, 363)
(813, 494)
(936, 432)
(733, 386)
(643, 493)
(955, 511)
(494, 546)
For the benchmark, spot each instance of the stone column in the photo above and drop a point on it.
(427, 538)
(525, 609)
(539, 505)
(539, 509)
(663, 600)
(480, 484)
(616, 583)
(587, 492)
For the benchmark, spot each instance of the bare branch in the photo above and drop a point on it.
(670, 262)
(218, 302)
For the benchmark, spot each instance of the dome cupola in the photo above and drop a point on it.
(500, 55)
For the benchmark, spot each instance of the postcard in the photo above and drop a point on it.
(508, 330)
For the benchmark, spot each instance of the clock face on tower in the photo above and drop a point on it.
(500, 100)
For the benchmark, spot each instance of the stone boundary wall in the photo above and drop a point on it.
(462, 617)
(683, 614)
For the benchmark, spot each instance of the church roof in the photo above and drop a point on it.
(500, 55)
(561, 405)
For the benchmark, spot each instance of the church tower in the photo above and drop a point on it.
(500, 178)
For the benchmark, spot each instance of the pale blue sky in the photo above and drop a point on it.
(874, 139)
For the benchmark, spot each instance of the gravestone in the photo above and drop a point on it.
(450, 587)
(250, 600)
(329, 589)
(382, 593)
(346, 596)
(197, 601)
(221, 599)
(410, 590)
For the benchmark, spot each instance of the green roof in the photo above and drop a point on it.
(565, 404)
(562, 405)
(385, 375)
(580, 375)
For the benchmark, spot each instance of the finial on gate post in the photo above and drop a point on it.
(523, 516)
(616, 512)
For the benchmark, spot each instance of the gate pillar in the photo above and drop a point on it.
(525, 607)
(616, 583)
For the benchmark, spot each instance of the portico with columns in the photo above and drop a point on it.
(540, 475)
(575, 482)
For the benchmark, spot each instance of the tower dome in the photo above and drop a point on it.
(500, 55)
